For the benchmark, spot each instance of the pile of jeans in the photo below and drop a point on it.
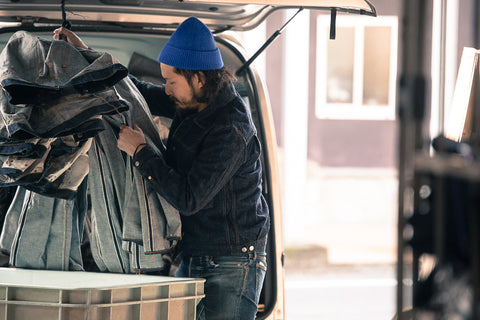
(51, 105)
(60, 110)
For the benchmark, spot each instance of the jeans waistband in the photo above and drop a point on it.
(258, 246)
(198, 260)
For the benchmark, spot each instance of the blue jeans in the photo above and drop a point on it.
(232, 287)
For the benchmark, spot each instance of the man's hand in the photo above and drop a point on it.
(70, 37)
(130, 140)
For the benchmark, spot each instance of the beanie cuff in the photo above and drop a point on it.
(189, 59)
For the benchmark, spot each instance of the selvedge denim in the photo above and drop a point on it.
(211, 172)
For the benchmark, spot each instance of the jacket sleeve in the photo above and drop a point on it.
(222, 154)
(158, 101)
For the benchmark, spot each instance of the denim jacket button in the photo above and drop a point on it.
(149, 177)
(137, 163)
(251, 248)
(244, 249)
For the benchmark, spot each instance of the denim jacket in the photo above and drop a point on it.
(211, 172)
(56, 92)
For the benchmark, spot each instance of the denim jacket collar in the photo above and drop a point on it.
(204, 117)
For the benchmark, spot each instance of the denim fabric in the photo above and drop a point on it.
(15, 124)
(232, 287)
(12, 216)
(132, 226)
(63, 70)
(211, 172)
(142, 262)
(168, 219)
(58, 92)
(66, 185)
(140, 112)
(58, 173)
(52, 90)
(50, 87)
(43, 232)
(28, 148)
(125, 214)
(66, 155)
(72, 111)
(61, 117)
(17, 170)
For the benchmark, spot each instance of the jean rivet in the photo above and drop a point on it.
(244, 249)
(251, 248)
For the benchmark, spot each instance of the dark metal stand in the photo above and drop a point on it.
(416, 164)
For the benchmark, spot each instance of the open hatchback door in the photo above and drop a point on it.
(134, 32)
(219, 15)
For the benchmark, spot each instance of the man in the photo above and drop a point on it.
(210, 170)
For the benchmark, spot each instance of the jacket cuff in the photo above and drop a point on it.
(141, 156)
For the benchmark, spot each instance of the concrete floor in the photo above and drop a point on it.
(318, 290)
(340, 245)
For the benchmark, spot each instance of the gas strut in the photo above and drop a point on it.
(266, 44)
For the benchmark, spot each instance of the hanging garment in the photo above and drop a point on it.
(38, 71)
(42, 232)
(54, 92)
(133, 228)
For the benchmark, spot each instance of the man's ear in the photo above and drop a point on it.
(201, 78)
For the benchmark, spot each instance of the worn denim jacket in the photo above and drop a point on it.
(211, 172)
(54, 91)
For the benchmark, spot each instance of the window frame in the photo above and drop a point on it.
(355, 110)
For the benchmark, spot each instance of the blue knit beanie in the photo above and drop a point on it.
(191, 47)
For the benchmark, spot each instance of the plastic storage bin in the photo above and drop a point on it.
(68, 295)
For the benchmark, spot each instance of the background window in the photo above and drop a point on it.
(356, 72)
(340, 67)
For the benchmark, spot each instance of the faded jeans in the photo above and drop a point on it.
(232, 287)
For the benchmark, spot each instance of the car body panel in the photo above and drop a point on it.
(134, 31)
(218, 15)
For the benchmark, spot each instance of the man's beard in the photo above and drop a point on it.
(187, 107)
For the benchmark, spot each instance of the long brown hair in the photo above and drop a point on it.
(215, 80)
